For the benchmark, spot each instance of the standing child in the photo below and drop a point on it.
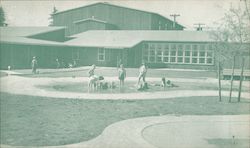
(142, 73)
(122, 75)
(34, 65)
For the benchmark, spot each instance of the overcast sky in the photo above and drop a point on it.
(36, 13)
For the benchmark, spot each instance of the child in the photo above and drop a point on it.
(121, 75)
(142, 73)
(170, 84)
(34, 65)
(163, 82)
(91, 72)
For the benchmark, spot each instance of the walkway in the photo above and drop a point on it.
(157, 132)
(28, 86)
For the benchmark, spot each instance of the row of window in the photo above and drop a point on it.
(178, 53)
(177, 46)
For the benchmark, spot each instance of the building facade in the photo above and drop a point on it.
(106, 16)
(106, 34)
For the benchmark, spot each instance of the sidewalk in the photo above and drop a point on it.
(27, 86)
(191, 131)
(158, 131)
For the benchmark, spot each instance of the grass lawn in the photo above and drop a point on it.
(41, 121)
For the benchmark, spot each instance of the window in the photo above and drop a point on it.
(194, 60)
(152, 55)
(173, 52)
(187, 60)
(145, 46)
(209, 54)
(187, 47)
(180, 52)
(159, 46)
(173, 59)
(166, 46)
(159, 56)
(202, 60)
(180, 59)
(194, 47)
(173, 47)
(165, 59)
(152, 46)
(101, 54)
(166, 52)
(202, 53)
(202, 47)
(145, 55)
(187, 53)
(166, 55)
(194, 53)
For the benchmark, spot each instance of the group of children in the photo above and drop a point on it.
(141, 83)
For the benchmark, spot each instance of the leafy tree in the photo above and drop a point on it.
(2, 17)
(51, 16)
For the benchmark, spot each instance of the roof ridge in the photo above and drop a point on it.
(110, 4)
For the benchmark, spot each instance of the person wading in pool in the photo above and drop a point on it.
(121, 75)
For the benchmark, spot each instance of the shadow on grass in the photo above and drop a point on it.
(229, 143)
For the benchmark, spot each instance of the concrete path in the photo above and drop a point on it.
(28, 86)
(157, 132)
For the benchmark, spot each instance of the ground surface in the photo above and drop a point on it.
(32, 119)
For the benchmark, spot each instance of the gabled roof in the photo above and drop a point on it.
(26, 31)
(109, 4)
(116, 39)
(21, 35)
(130, 38)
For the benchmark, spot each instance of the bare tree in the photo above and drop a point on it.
(231, 35)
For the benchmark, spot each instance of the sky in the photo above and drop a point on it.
(36, 13)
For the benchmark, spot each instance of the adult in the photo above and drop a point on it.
(142, 73)
(34, 65)
(121, 75)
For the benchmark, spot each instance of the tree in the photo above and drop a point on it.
(51, 16)
(2, 17)
(231, 35)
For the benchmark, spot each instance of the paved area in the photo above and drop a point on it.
(27, 86)
(157, 132)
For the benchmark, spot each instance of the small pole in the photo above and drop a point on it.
(232, 79)
(241, 78)
(174, 15)
(219, 78)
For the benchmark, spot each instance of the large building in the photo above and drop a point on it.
(105, 34)
(106, 16)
